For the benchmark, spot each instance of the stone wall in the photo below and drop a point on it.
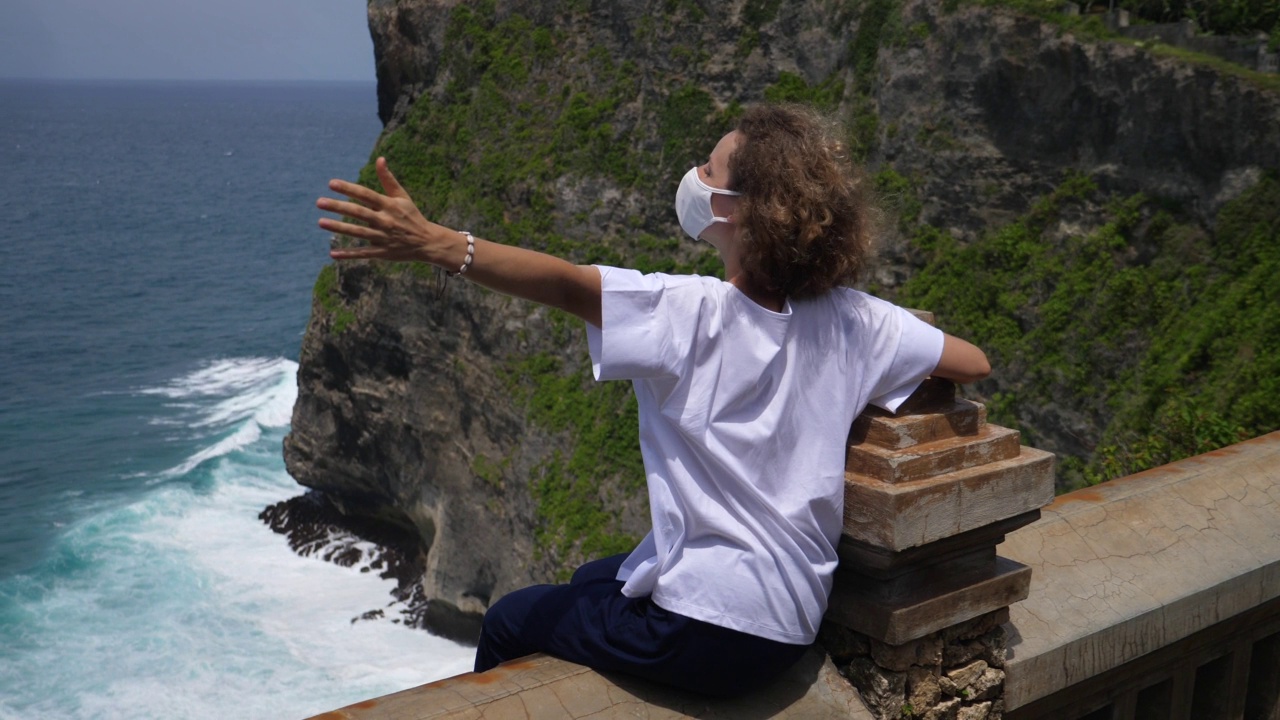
(1127, 570)
(952, 674)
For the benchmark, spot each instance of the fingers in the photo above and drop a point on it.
(354, 210)
(360, 193)
(360, 253)
(389, 183)
(349, 229)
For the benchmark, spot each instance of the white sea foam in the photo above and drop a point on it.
(223, 377)
(246, 394)
(183, 604)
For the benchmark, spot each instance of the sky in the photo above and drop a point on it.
(186, 40)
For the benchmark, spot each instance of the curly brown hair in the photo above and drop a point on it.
(804, 209)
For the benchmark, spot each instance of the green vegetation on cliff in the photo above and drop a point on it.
(1241, 18)
(1232, 17)
(326, 294)
(509, 125)
(575, 504)
(1165, 335)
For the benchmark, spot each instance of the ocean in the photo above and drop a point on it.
(159, 250)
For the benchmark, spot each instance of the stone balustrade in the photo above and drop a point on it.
(1155, 595)
(1152, 596)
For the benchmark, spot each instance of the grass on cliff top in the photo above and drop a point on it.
(1169, 331)
(1092, 27)
(326, 295)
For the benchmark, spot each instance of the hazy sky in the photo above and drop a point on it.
(185, 39)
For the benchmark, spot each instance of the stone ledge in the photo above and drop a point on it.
(897, 516)
(880, 427)
(1130, 566)
(904, 617)
(543, 688)
(991, 444)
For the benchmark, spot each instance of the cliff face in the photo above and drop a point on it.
(565, 125)
(1005, 104)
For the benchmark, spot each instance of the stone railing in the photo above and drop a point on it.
(1153, 596)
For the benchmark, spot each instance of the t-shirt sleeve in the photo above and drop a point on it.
(919, 348)
(635, 337)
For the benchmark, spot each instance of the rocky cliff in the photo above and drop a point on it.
(469, 420)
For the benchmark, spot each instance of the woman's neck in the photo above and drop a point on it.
(768, 300)
(735, 276)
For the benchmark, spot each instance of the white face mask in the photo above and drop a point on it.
(693, 204)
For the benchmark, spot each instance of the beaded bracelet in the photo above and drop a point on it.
(471, 254)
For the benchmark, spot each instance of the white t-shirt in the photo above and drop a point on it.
(744, 419)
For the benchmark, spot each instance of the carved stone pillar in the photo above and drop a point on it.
(919, 599)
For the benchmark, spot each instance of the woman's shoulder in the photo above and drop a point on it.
(852, 300)
(629, 278)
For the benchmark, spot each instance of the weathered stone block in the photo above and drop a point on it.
(1128, 567)
(900, 620)
(923, 315)
(961, 418)
(948, 686)
(987, 685)
(991, 647)
(885, 563)
(960, 653)
(946, 710)
(976, 627)
(926, 651)
(991, 444)
(965, 676)
(922, 688)
(841, 643)
(900, 516)
(883, 691)
(981, 711)
(539, 687)
(996, 647)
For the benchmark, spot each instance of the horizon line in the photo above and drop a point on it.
(7, 78)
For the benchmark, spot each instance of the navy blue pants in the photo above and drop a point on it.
(590, 622)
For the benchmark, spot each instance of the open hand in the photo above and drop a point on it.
(394, 227)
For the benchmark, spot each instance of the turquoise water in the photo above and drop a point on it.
(159, 251)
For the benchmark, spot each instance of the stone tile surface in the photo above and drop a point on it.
(544, 688)
(1129, 566)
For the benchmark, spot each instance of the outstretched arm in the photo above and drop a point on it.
(396, 230)
(961, 361)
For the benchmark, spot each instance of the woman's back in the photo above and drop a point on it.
(744, 417)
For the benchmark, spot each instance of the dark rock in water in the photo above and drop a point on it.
(370, 615)
(315, 528)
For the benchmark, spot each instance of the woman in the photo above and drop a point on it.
(746, 387)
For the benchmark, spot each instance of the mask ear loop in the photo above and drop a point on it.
(718, 191)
